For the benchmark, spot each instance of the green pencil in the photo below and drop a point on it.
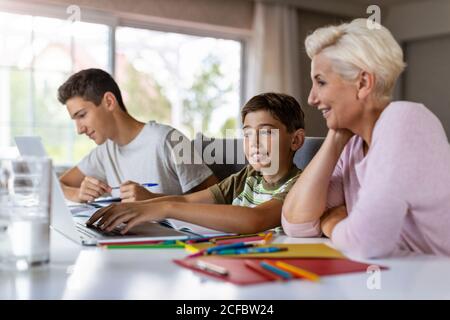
(146, 246)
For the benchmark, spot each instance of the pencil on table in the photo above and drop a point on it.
(213, 240)
(272, 268)
(299, 272)
(268, 238)
(191, 248)
(144, 246)
(255, 239)
(198, 253)
(254, 265)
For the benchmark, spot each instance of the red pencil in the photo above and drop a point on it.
(131, 243)
(229, 241)
(197, 254)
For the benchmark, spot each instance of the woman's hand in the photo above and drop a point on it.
(307, 200)
(131, 214)
(331, 218)
(340, 137)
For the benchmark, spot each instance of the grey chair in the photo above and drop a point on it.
(228, 154)
(309, 149)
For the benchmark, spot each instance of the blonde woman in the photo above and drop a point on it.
(380, 184)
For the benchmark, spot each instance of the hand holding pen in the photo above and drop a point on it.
(132, 191)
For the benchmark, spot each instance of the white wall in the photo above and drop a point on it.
(230, 13)
(427, 79)
(423, 28)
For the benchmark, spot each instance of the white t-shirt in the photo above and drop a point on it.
(148, 158)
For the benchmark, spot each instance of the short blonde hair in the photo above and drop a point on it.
(354, 47)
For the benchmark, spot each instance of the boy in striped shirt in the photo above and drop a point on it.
(249, 201)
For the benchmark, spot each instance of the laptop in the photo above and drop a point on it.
(74, 227)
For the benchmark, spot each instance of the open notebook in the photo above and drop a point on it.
(192, 228)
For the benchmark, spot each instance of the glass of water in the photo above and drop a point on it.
(25, 200)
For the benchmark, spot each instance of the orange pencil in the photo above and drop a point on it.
(299, 272)
(268, 238)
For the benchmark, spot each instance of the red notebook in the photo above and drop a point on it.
(239, 273)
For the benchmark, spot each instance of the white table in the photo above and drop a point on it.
(77, 272)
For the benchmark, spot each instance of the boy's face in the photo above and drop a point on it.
(91, 120)
(267, 144)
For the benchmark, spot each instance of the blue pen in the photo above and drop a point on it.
(142, 184)
(261, 250)
(286, 275)
(228, 246)
(250, 250)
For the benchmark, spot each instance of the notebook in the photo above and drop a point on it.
(193, 228)
(294, 250)
(240, 274)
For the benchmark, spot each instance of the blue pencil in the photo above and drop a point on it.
(238, 245)
(286, 275)
(250, 250)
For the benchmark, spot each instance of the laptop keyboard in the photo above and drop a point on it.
(85, 231)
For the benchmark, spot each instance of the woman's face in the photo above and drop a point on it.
(335, 97)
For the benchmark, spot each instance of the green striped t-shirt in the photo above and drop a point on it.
(249, 189)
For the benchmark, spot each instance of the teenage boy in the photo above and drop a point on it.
(246, 202)
(129, 152)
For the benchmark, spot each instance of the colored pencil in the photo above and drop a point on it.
(268, 238)
(237, 245)
(198, 253)
(299, 272)
(270, 267)
(127, 243)
(257, 239)
(144, 246)
(213, 240)
(249, 250)
(199, 240)
(254, 265)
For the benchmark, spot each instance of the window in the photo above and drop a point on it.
(189, 82)
(38, 54)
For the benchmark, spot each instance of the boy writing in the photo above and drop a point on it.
(129, 152)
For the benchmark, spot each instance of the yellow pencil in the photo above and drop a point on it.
(267, 238)
(191, 248)
(298, 271)
(181, 243)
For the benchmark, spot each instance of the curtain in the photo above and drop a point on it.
(273, 54)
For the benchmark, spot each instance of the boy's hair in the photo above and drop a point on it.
(281, 106)
(91, 85)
